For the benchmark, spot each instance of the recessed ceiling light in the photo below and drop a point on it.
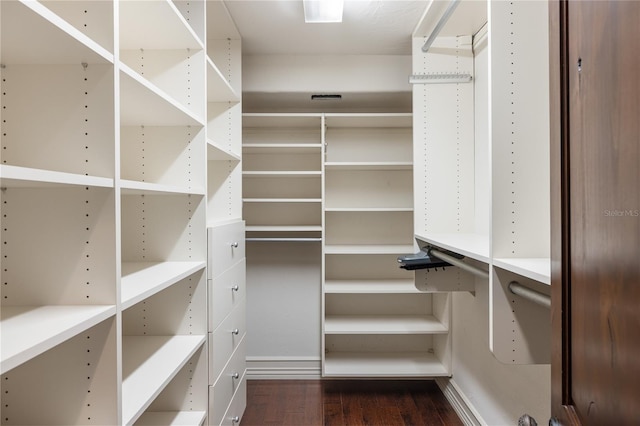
(323, 11)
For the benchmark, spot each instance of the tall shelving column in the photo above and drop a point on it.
(162, 206)
(226, 247)
(282, 193)
(58, 290)
(375, 323)
(520, 204)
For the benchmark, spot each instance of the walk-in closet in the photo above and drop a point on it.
(202, 200)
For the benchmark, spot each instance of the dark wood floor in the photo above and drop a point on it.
(347, 403)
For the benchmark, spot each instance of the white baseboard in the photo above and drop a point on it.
(459, 402)
(279, 368)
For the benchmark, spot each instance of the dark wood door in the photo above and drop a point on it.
(596, 237)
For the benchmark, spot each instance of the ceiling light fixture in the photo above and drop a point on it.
(323, 11)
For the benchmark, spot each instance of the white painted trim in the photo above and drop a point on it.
(460, 403)
(279, 368)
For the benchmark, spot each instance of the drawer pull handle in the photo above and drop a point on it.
(235, 375)
(235, 331)
(235, 419)
(234, 245)
(235, 288)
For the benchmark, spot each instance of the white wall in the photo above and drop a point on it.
(498, 393)
(342, 73)
(283, 309)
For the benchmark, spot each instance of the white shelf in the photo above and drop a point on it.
(284, 228)
(373, 165)
(218, 153)
(218, 88)
(368, 209)
(474, 246)
(279, 174)
(369, 120)
(468, 18)
(278, 148)
(25, 177)
(172, 418)
(538, 269)
(383, 364)
(39, 36)
(141, 280)
(28, 331)
(144, 104)
(131, 187)
(370, 286)
(282, 200)
(383, 324)
(149, 364)
(368, 249)
(303, 121)
(167, 30)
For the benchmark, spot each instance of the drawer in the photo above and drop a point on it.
(233, 416)
(226, 292)
(221, 393)
(225, 247)
(224, 340)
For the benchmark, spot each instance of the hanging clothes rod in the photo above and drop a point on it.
(285, 240)
(459, 263)
(441, 23)
(440, 78)
(530, 294)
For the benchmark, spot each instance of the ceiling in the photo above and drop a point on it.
(369, 27)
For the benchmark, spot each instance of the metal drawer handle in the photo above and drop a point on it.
(235, 375)
(235, 331)
(235, 419)
(234, 245)
(235, 288)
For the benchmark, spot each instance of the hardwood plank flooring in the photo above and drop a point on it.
(347, 403)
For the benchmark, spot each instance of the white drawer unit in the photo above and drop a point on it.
(225, 339)
(226, 247)
(226, 292)
(233, 416)
(227, 319)
(228, 384)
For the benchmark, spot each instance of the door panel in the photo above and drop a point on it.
(601, 135)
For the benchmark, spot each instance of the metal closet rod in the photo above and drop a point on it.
(441, 23)
(285, 240)
(459, 263)
(530, 294)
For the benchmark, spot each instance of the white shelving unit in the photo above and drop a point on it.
(282, 195)
(226, 266)
(375, 321)
(480, 139)
(105, 203)
(282, 174)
